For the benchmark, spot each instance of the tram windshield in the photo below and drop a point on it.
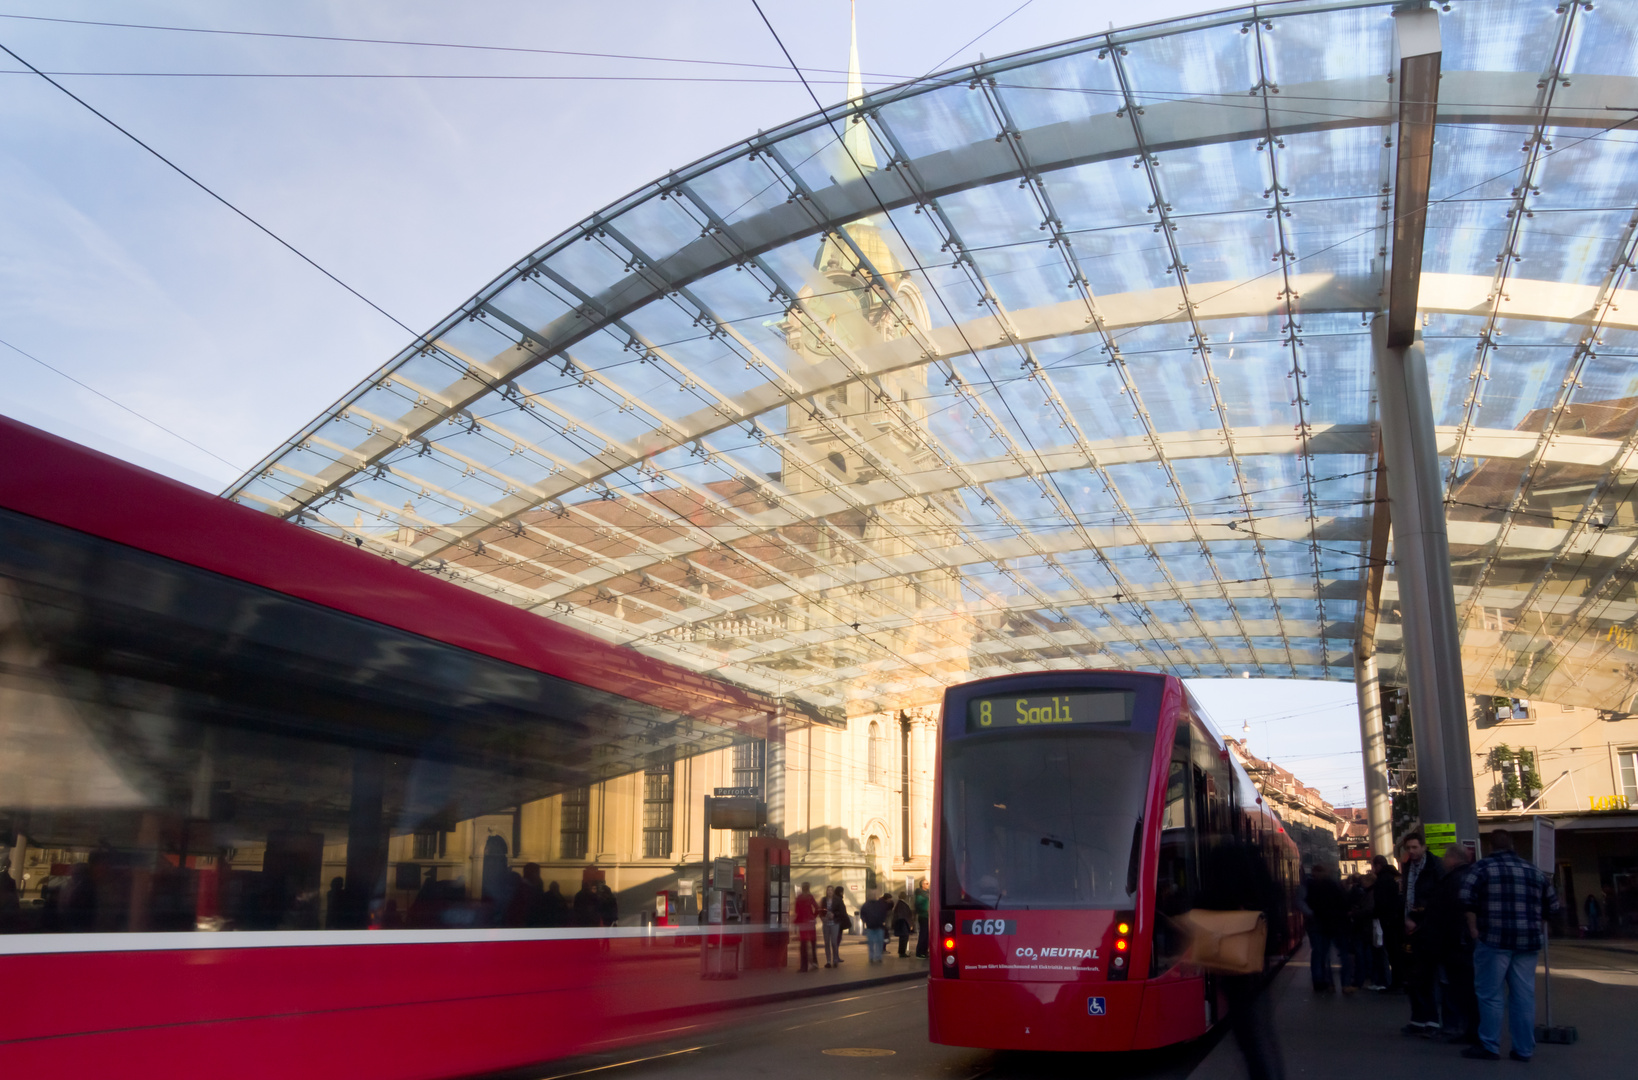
(1044, 821)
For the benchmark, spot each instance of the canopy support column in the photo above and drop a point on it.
(1373, 740)
(1432, 638)
(1374, 743)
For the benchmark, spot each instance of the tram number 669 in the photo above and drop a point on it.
(990, 927)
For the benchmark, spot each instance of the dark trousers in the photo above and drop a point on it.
(1421, 979)
(1251, 1014)
(1353, 969)
(903, 931)
(1461, 1000)
(808, 948)
(921, 935)
(1393, 942)
(1319, 959)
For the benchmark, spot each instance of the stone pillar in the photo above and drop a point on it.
(923, 748)
(773, 775)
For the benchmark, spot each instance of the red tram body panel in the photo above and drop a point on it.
(1071, 810)
(185, 678)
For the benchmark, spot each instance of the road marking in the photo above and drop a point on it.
(829, 1020)
(858, 1051)
(622, 1064)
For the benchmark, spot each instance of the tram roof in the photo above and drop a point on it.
(1061, 359)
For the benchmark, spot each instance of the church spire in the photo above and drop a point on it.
(857, 135)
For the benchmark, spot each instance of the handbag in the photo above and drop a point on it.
(1376, 933)
(1226, 942)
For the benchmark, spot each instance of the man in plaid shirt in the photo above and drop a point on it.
(1507, 901)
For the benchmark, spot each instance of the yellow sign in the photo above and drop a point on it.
(1607, 802)
(1440, 835)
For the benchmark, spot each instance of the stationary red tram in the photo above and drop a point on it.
(1075, 811)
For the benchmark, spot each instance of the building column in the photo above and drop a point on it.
(773, 774)
(1432, 639)
(923, 745)
(1374, 743)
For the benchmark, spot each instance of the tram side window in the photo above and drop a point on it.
(1174, 873)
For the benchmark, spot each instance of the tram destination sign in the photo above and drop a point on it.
(1102, 708)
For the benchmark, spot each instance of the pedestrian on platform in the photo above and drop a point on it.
(1235, 877)
(803, 912)
(874, 913)
(1355, 945)
(1459, 1010)
(1421, 879)
(585, 904)
(835, 925)
(1325, 910)
(1506, 902)
(608, 907)
(556, 906)
(1390, 921)
(921, 906)
(904, 919)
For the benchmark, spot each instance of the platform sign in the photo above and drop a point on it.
(1546, 846)
(748, 792)
(736, 812)
(1440, 835)
(1096, 1007)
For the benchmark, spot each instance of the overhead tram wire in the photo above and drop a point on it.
(521, 49)
(121, 405)
(1229, 100)
(190, 178)
(387, 75)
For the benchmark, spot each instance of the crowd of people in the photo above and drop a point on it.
(881, 914)
(1458, 938)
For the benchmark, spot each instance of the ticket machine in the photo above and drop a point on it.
(667, 908)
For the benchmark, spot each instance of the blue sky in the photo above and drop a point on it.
(415, 191)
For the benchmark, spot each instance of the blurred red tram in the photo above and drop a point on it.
(206, 711)
(1073, 809)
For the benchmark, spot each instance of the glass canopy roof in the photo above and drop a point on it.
(1058, 360)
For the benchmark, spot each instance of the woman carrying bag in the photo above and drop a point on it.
(1229, 930)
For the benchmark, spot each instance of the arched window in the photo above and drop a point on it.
(872, 852)
(876, 755)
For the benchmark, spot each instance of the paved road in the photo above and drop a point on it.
(874, 1034)
(883, 1030)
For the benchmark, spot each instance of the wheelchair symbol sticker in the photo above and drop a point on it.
(1095, 1007)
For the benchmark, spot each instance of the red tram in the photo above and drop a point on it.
(1073, 811)
(208, 714)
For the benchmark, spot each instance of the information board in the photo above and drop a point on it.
(1105, 708)
(1440, 835)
